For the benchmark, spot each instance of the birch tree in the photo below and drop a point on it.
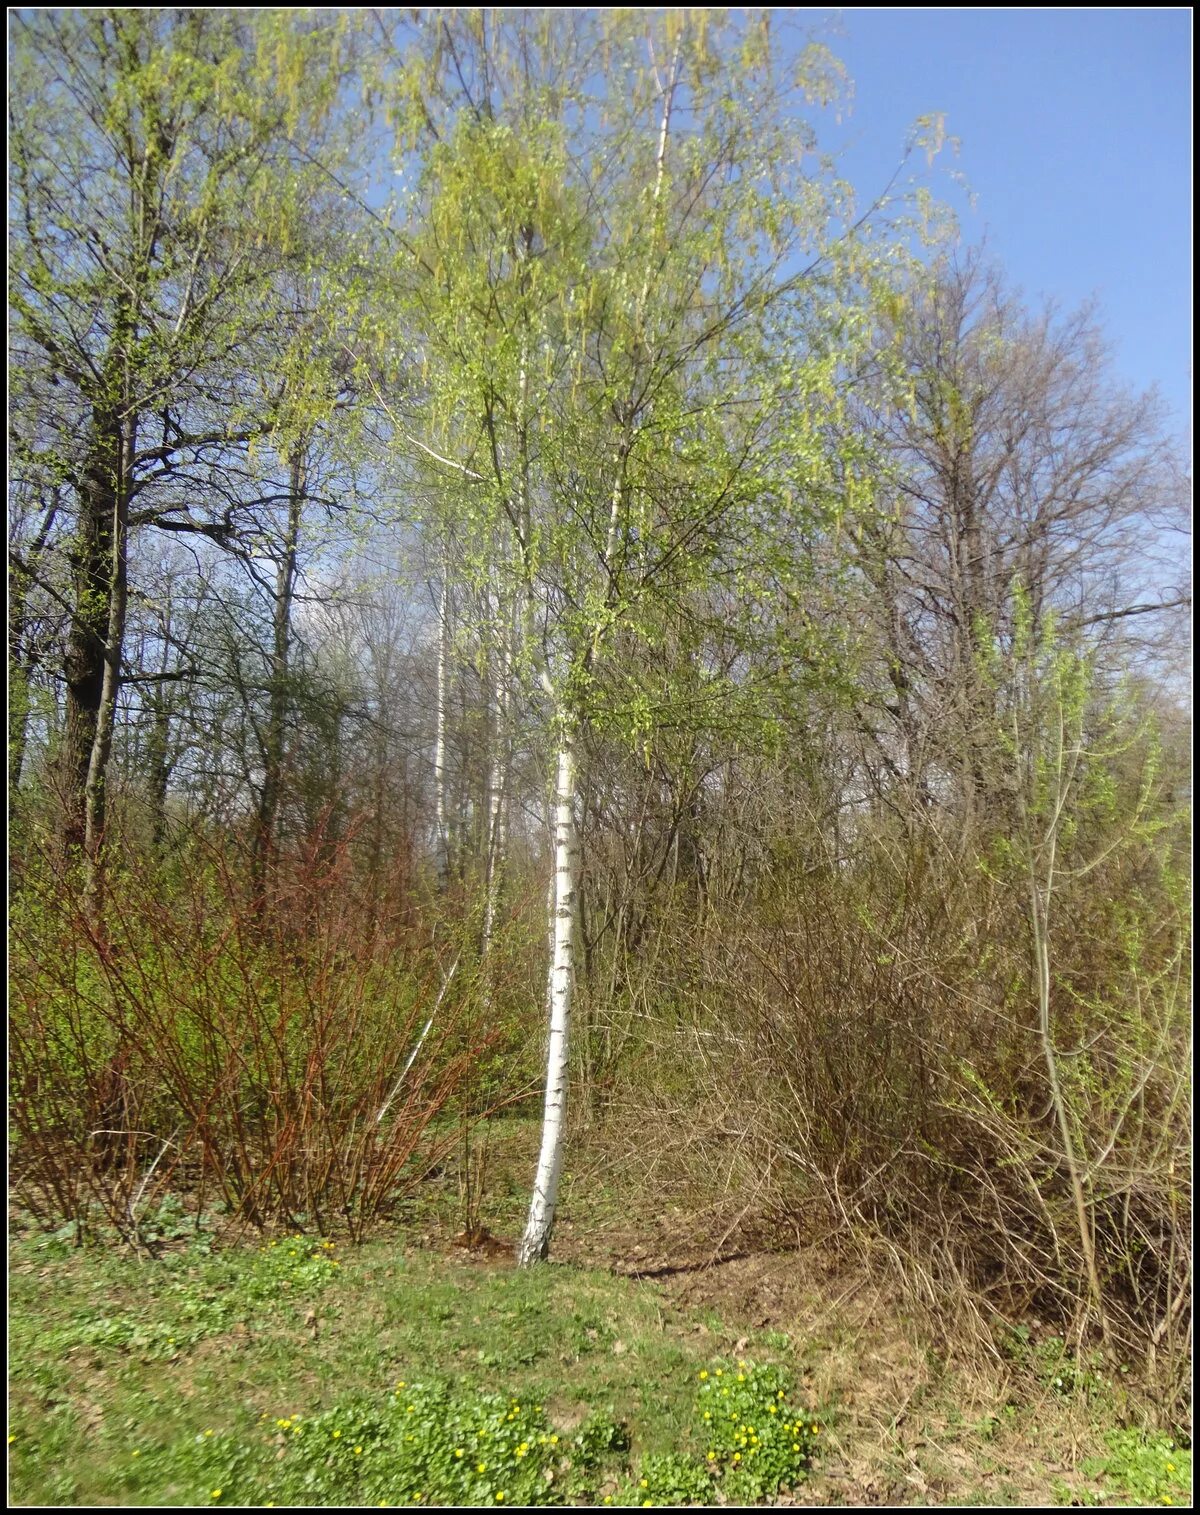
(635, 307)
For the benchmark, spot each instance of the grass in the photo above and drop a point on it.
(303, 1372)
(135, 1383)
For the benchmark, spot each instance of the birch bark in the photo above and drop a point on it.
(535, 1244)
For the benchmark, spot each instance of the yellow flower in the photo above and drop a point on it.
(482, 1468)
(554, 1441)
(499, 1493)
(720, 1372)
(703, 1374)
(208, 1433)
(712, 1457)
(795, 1446)
(216, 1493)
(357, 1451)
(458, 1451)
(337, 1434)
(645, 1483)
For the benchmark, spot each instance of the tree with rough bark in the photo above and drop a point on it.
(157, 195)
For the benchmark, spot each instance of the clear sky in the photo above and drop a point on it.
(1076, 139)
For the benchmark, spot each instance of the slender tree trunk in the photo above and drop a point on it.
(442, 835)
(159, 766)
(535, 1244)
(23, 658)
(266, 831)
(1039, 916)
(18, 726)
(497, 804)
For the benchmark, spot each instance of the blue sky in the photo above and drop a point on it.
(1076, 139)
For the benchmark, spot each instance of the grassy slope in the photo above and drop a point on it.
(111, 1357)
(120, 1367)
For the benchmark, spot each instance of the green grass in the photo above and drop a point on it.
(301, 1372)
(259, 1372)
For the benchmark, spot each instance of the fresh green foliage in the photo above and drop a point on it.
(1142, 1469)
(669, 1478)
(755, 1436)
(600, 1436)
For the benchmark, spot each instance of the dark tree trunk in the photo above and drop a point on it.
(84, 663)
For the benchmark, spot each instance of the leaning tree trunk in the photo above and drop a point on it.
(535, 1244)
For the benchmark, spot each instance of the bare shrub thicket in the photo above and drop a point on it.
(916, 975)
(289, 1070)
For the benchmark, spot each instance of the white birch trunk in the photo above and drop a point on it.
(535, 1243)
